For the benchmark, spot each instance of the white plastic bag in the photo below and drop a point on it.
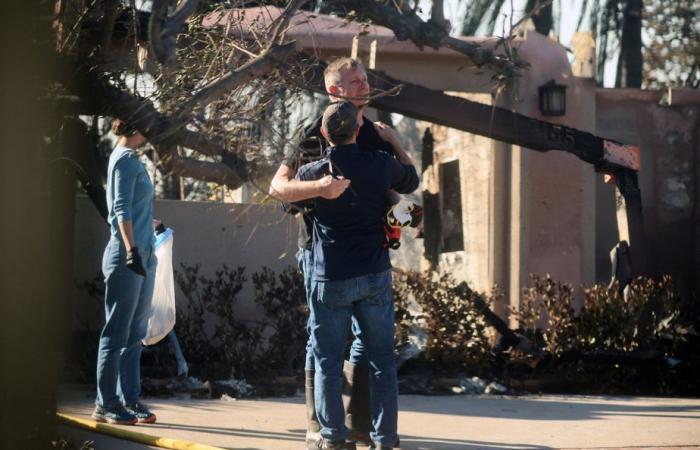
(162, 317)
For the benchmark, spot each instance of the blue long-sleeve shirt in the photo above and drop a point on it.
(348, 232)
(130, 197)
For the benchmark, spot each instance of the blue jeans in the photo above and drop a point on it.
(333, 305)
(357, 350)
(127, 308)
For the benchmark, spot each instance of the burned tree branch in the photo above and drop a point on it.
(217, 172)
(163, 29)
(283, 20)
(437, 15)
(111, 13)
(437, 107)
(431, 33)
(510, 337)
(159, 129)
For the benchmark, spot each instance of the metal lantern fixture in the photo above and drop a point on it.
(553, 99)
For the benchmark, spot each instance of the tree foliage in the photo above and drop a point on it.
(672, 53)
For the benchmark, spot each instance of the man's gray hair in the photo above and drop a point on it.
(331, 76)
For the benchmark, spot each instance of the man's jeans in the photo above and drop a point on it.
(127, 308)
(333, 305)
(357, 350)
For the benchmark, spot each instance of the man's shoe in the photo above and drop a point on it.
(358, 418)
(327, 444)
(360, 437)
(142, 414)
(312, 425)
(378, 446)
(312, 437)
(117, 415)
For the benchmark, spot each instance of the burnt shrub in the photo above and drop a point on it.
(638, 340)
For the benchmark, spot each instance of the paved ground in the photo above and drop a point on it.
(435, 423)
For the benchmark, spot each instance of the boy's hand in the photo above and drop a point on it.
(332, 188)
(387, 133)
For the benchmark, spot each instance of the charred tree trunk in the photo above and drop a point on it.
(431, 206)
(629, 66)
(542, 17)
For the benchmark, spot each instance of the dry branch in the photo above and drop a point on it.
(202, 170)
(254, 68)
(112, 11)
(432, 33)
(163, 29)
(160, 130)
(280, 24)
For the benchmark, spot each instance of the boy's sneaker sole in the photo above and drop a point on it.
(149, 419)
(101, 419)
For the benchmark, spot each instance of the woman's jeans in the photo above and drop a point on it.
(357, 350)
(333, 305)
(127, 308)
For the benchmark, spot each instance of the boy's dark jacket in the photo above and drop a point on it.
(348, 232)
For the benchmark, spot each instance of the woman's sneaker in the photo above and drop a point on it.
(142, 414)
(117, 415)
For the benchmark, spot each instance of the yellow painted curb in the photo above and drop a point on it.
(122, 433)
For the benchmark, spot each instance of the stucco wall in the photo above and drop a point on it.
(668, 139)
(209, 234)
(551, 205)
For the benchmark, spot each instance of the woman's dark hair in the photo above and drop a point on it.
(121, 128)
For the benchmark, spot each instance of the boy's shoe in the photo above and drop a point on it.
(327, 444)
(142, 414)
(117, 415)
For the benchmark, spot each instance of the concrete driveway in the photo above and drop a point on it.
(434, 422)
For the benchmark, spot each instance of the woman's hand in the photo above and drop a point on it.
(133, 261)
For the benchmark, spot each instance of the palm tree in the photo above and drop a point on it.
(620, 20)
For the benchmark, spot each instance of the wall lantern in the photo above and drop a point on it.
(553, 99)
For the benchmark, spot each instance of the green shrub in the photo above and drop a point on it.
(283, 300)
(224, 349)
(456, 332)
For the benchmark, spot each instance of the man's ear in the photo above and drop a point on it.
(324, 133)
(334, 90)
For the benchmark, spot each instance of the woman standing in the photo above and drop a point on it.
(128, 265)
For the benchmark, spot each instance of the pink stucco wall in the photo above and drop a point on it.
(667, 135)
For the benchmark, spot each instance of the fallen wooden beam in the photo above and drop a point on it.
(503, 125)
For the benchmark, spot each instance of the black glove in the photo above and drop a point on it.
(133, 261)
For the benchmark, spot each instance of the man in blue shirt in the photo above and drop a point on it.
(352, 275)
